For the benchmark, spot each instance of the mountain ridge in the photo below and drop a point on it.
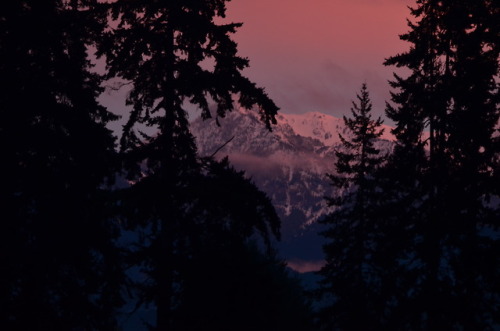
(289, 164)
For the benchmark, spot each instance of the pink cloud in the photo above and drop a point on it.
(302, 266)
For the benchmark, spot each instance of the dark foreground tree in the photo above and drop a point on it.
(349, 276)
(236, 286)
(444, 166)
(231, 278)
(58, 264)
(175, 55)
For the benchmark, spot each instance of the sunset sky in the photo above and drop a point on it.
(313, 55)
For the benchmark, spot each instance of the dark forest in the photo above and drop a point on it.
(97, 227)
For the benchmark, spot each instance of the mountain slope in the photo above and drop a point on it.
(289, 164)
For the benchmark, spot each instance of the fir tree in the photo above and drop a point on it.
(238, 286)
(228, 280)
(175, 54)
(59, 265)
(349, 274)
(452, 93)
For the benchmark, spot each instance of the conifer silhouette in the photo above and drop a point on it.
(174, 53)
(447, 266)
(60, 269)
(348, 276)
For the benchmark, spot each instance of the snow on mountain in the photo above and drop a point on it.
(315, 125)
(289, 164)
(323, 127)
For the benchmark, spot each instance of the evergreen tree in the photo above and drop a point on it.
(349, 274)
(175, 54)
(59, 265)
(447, 267)
(228, 282)
(235, 286)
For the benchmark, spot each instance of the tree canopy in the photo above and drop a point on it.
(57, 257)
(446, 117)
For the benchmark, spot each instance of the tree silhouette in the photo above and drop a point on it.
(175, 54)
(237, 286)
(349, 274)
(228, 281)
(59, 265)
(452, 93)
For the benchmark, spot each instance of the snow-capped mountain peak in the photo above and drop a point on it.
(324, 127)
(289, 163)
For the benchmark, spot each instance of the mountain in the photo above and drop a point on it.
(289, 164)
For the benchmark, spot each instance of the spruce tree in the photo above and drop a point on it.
(59, 265)
(175, 54)
(349, 274)
(446, 117)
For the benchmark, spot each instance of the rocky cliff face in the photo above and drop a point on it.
(289, 164)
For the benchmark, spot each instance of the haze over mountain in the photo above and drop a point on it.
(289, 164)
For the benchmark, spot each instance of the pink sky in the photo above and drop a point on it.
(313, 55)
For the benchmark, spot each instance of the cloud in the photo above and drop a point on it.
(303, 266)
(267, 166)
(253, 164)
(330, 88)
